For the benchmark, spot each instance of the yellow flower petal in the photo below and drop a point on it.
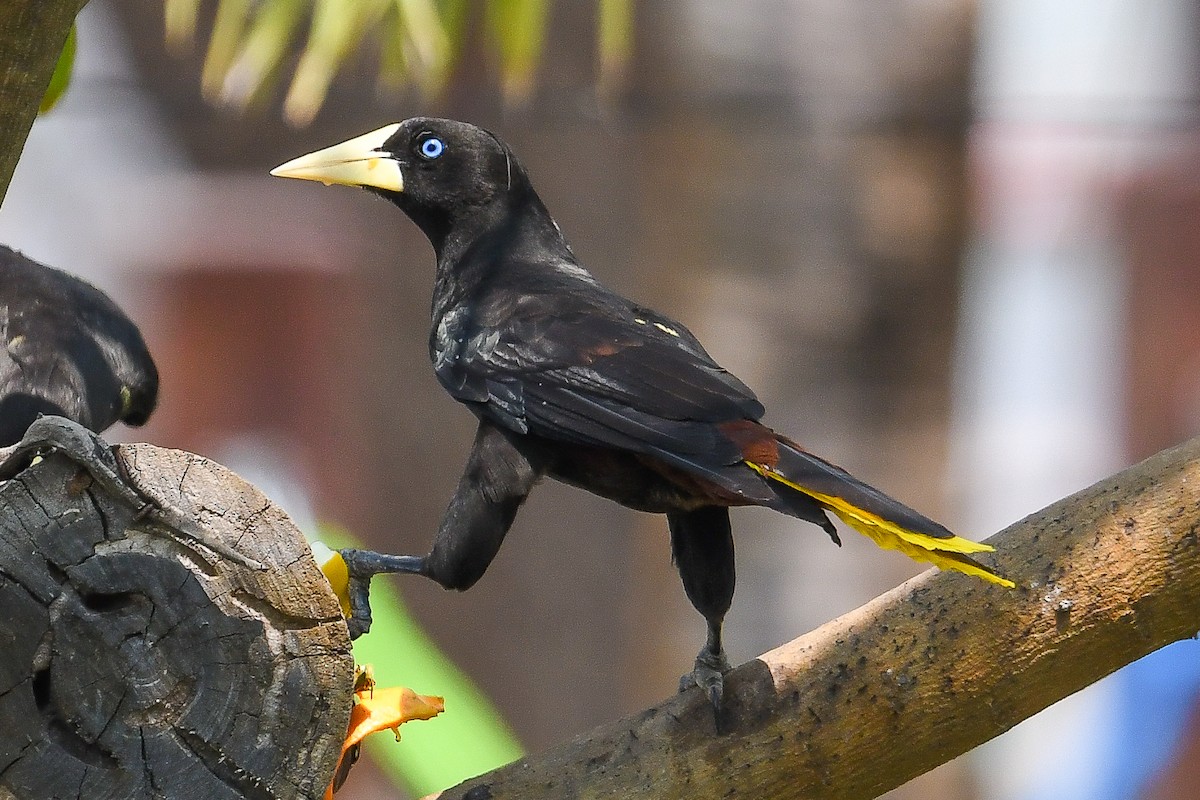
(386, 709)
(378, 710)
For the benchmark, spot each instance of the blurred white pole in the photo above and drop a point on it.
(1072, 96)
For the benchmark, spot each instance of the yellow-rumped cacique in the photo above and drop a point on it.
(572, 381)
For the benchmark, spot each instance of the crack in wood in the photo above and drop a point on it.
(148, 776)
(223, 768)
(279, 619)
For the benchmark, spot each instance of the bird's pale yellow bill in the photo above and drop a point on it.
(355, 162)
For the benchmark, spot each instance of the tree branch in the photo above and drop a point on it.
(921, 674)
(32, 33)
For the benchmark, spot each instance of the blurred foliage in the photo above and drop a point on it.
(417, 42)
(62, 74)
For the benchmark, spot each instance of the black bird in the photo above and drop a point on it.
(570, 380)
(68, 351)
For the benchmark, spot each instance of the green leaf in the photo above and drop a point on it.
(614, 44)
(470, 738)
(420, 41)
(455, 14)
(262, 50)
(518, 28)
(179, 21)
(337, 26)
(62, 74)
(393, 61)
(227, 31)
(429, 62)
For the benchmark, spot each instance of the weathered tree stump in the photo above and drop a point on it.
(134, 664)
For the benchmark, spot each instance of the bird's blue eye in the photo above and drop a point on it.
(432, 147)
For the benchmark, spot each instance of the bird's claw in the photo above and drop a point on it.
(361, 566)
(709, 675)
(359, 590)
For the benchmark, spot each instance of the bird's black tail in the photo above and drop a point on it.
(889, 523)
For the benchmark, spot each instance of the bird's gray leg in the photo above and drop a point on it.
(61, 435)
(702, 548)
(498, 477)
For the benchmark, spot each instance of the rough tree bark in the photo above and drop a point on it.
(32, 33)
(920, 674)
(137, 664)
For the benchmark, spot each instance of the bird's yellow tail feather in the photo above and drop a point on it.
(943, 552)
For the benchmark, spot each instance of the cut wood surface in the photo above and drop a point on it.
(920, 674)
(139, 665)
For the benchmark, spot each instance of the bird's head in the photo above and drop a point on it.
(66, 348)
(437, 170)
(139, 393)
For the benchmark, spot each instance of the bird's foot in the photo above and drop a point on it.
(709, 675)
(59, 434)
(361, 566)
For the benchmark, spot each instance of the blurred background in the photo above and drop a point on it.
(954, 247)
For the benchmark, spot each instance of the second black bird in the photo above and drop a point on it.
(570, 380)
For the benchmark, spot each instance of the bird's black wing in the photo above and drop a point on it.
(568, 360)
